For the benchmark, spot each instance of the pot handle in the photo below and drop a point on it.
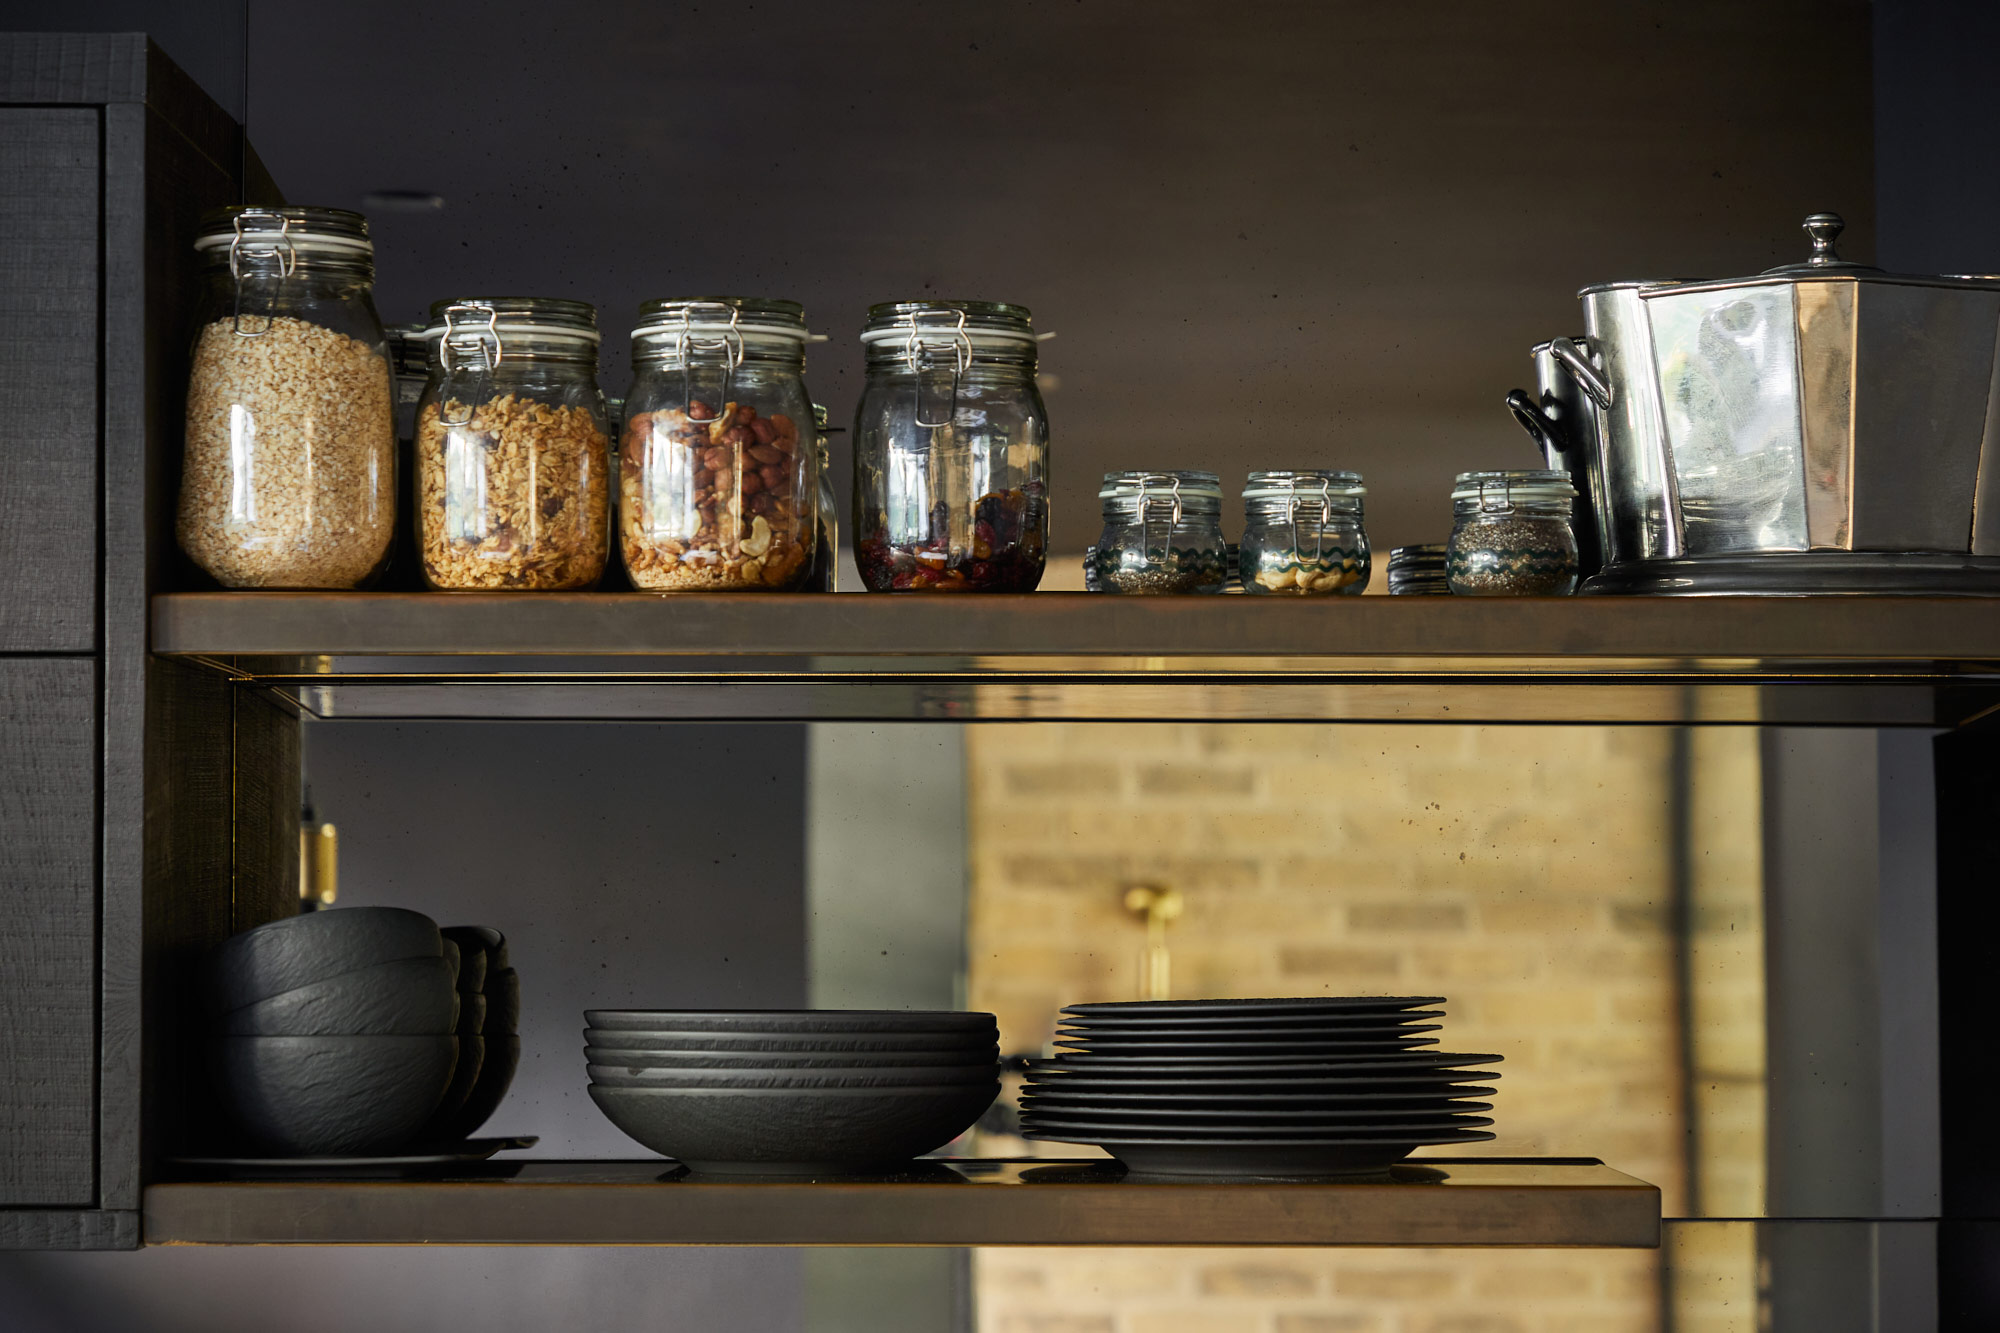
(1586, 375)
(1538, 424)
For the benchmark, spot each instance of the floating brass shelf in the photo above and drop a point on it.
(1431, 1201)
(1772, 661)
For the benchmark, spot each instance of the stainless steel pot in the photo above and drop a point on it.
(1823, 426)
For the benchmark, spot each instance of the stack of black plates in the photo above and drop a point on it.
(1308, 1087)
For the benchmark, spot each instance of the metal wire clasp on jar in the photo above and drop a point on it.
(512, 447)
(951, 444)
(718, 478)
(1302, 534)
(1511, 535)
(1162, 534)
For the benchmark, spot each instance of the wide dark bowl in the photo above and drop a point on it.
(464, 1078)
(790, 1043)
(503, 1001)
(791, 1132)
(454, 960)
(284, 955)
(321, 1096)
(472, 1014)
(872, 1077)
(496, 1075)
(625, 1057)
(483, 940)
(847, 1022)
(409, 997)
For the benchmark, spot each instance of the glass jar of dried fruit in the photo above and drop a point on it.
(1302, 533)
(718, 475)
(1162, 534)
(288, 478)
(512, 447)
(951, 450)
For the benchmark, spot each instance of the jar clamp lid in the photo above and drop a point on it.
(270, 244)
(1295, 495)
(1499, 492)
(928, 338)
(474, 335)
(711, 337)
(1166, 495)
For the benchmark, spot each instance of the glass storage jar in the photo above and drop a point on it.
(512, 448)
(951, 447)
(826, 552)
(1418, 570)
(1302, 533)
(288, 476)
(1511, 535)
(719, 470)
(1162, 534)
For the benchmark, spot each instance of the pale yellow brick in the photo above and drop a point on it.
(1034, 781)
(1195, 1319)
(1336, 961)
(1627, 1321)
(1541, 1009)
(1546, 917)
(1327, 1323)
(1197, 779)
(1057, 1323)
(1467, 1322)
(1258, 1279)
(1524, 1282)
(1406, 916)
(1389, 1283)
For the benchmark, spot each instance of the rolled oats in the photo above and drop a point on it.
(289, 473)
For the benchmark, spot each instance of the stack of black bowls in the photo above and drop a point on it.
(792, 1091)
(351, 1031)
(1286, 1088)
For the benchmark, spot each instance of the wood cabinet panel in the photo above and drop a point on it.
(48, 931)
(49, 208)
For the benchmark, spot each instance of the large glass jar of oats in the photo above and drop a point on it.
(718, 473)
(951, 450)
(513, 449)
(288, 478)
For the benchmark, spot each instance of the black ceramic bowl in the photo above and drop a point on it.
(496, 1075)
(923, 1045)
(409, 997)
(485, 941)
(317, 1096)
(284, 955)
(873, 1076)
(472, 1013)
(794, 1131)
(624, 1057)
(464, 1078)
(503, 1002)
(845, 1022)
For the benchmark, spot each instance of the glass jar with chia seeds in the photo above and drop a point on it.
(1302, 534)
(1162, 534)
(288, 476)
(719, 471)
(951, 450)
(1511, 535)
(1418, 570)
(513, 451)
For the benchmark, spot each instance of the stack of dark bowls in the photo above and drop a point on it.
(489, 1042)
(345, 1032)
(792, 1091)
(1280, 1088)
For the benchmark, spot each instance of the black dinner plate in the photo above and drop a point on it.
(1321, 1159)
(1203, 1049)
(1402, 1084)
(1248, 1115)
(1325, 1004)
(1212, 1066)
(1277, 1024)
(1396, 1131)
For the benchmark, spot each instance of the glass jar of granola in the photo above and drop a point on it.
(288, 476)
(1302, 534)
(512, 447)
(951, 450)
(718, 472)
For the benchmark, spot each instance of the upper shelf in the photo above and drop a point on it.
(1873, 661)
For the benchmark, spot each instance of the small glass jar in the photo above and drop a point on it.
(288, 477)
(1302, 534)
(1511, 535)
(1418, 570)
(951, 445)
(719, 470)
(512, 447)
(826, 552)
(1162, 534)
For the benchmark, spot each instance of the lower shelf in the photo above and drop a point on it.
(1549, 1201)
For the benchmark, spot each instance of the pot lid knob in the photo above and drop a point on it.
(1824, 229)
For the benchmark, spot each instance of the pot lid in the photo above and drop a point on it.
(1822, 264)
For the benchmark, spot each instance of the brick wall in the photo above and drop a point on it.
(1525, 872)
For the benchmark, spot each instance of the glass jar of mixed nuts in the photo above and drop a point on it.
(1418, 570)
(288, 478)
(512, 447)
(1511, 535)
(1302, 533)
(719, 471)
(1162, 534)
(951, 445)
